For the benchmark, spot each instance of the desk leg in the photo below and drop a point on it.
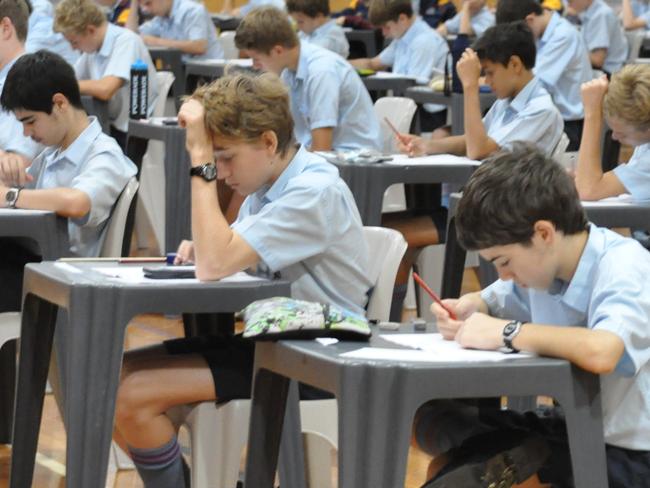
(94, 338)
(7, 389)
(583, 414)
(267, 414)
(374, 432)
(292, 459)
(454, 265)
(36, 336)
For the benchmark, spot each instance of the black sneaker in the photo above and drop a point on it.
(497, 459)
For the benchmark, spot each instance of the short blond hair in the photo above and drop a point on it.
(75, 15)
(628, 96)
(265, 27)
(243, 106)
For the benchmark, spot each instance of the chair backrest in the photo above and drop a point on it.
(118, 232)
(400, 111)
(385, 248)
(560, 147)
(227, 41)
(634, 41)
(165, 81)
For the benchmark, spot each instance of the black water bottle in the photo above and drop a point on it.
(139, 99)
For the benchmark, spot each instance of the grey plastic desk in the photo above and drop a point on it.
(210, 69)
(423, 94)
(99, 311)
(378, 399)
(99, 109)
(177, 177)
(174, 59)
(225, 23)
(602, 214)
(50, 234)
(379, 84)
(368, 182)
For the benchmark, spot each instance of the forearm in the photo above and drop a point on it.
(465, 23)
(477, 301)
(66, 202)
(189, 47)
(592, 350)
(630, 21)
(101, 89)
(597, 58)
(367, 63)
(448, 145)
(478, 144)
(589, 171)
(133, 19)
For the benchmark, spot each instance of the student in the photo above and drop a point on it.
(435, 12)
(602, 33)
(104, 69)
(479, 16)
(562, 59)
(636, 14)
(567, 289)
(15, 148)
(524, 111)
(626, 104)
(416, 50)
(118, 10)
(41, 35)
(80, 174)
(330, 106)
(312, 18)
(179, 24)
(299, 220)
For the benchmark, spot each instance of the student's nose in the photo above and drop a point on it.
(505, 274)
(27, 131)
(222, 170)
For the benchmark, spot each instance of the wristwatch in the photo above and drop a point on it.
(207, 171)
(11, 197)
(510, 331)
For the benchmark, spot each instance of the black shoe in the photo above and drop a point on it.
(497, 459)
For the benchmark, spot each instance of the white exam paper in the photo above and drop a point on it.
(135, 275)
(404, 160)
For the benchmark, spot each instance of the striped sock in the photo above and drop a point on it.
(160, 467)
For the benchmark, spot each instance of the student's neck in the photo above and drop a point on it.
(282, 164)
(572, 249)
(293, 57)
(12, 51)
(320, 21)
(101, 34)
(522, 82)
(546, 19)
(78, 123)
(409, 24)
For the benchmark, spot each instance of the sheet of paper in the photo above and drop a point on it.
(22, 211)
(391, 75)
(624, 200)
(416, 355)
(404, 160)
(135, 275)
(244, 63)
(443, 350)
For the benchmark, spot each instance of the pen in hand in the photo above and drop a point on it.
(401, 138)
(433, 295)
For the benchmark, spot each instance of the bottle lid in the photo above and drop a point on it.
(139, 64)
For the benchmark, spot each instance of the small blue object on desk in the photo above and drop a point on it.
(171, 257)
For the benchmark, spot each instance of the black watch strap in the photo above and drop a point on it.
(207, 171)
(510, 331)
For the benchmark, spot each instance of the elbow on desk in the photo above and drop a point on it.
(210, 271)
(600, 354)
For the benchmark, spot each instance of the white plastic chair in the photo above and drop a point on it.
(151, 209)
(227, 41)
(218, 433)
(400, 112)
(634, 42)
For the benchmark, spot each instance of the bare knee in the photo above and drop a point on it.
(136, 402)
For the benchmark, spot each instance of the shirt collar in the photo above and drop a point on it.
(575, 295)
(76, 152)
(552, 24)
(519, 102)
(5, 71)
(301, 70)
(412, 32)
(294, 168)
(176, 5)
(323, 29)
(109, 40)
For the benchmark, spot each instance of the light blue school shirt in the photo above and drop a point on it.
(307, 228)
(531, 116)
(641, 10)
(481, 21)
(635, 175)
(325, 91)
(421, 52)
(120, 49)
(601, 28)
(187, 21)
(11, 130)
(563, 65)
(609, 291)
(41, 35)
(330, 36)
(95, 165)
(244, 9)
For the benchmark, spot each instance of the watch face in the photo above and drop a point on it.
(10, 196)
(209, 172)
(509, 328)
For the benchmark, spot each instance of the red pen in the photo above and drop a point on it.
(394, 129)
(432, 294)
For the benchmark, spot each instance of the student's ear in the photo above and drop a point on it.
(6, 28)
(530, 20)
(59, 101)
(515, 64)
(545, 230)
(269, 140)
(277, 50)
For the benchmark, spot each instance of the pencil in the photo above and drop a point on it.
(432, 294)
(394, 129)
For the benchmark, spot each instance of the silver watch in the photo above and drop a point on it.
(11, 197)
(510, 331)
